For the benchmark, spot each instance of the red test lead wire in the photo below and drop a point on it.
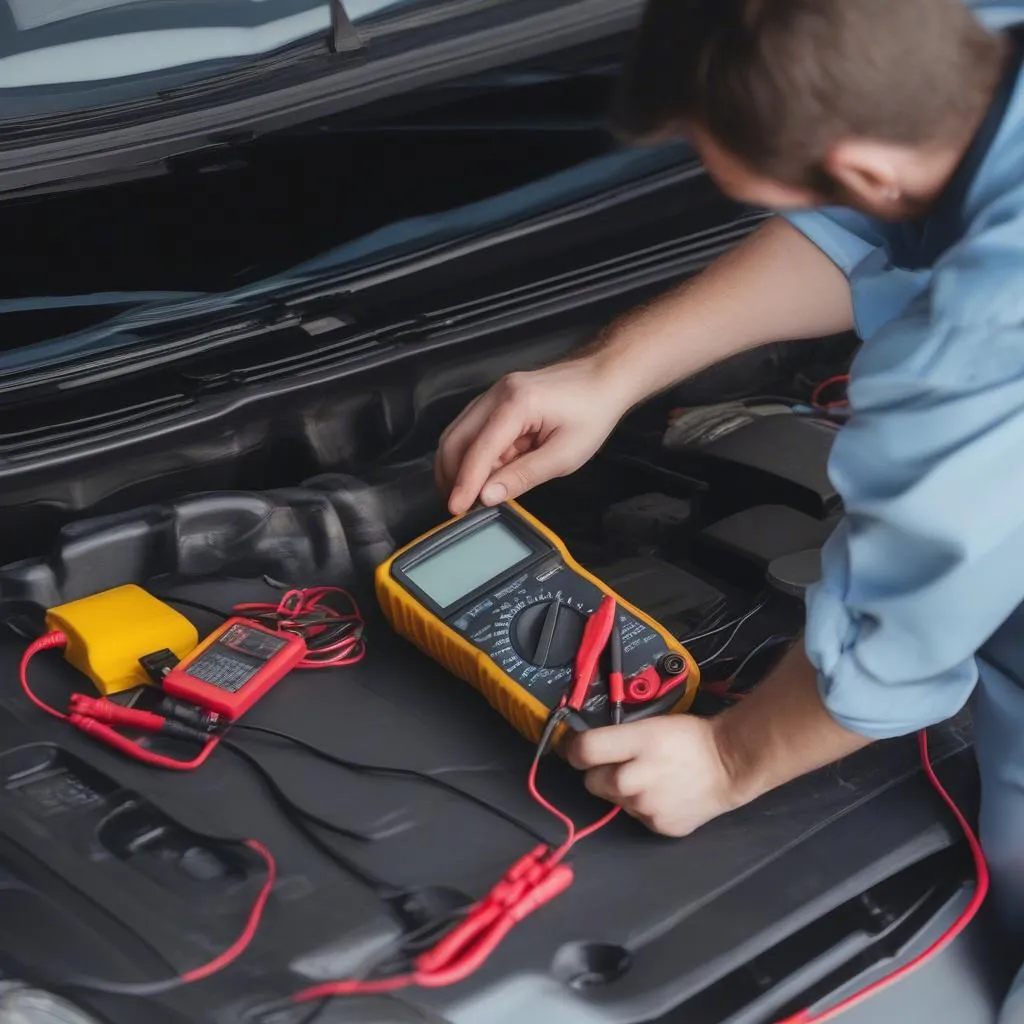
(92, 724)
(252, 925)
(531, 883)
(950, 935)
(48, 642)
(211, 967)
(109, 736)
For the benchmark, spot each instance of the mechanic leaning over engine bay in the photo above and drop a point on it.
(889, 140)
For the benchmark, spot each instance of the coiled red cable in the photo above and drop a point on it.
(327, 618)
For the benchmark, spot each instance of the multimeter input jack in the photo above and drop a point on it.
(672, 665)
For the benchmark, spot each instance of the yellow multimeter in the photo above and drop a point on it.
(495, 597)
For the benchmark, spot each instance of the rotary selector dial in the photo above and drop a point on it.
(548, 634)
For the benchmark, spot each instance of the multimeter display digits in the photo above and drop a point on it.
(234, 667)
(505, 586)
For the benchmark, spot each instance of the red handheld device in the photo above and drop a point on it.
(234, 666)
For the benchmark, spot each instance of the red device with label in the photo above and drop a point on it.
(234, 667)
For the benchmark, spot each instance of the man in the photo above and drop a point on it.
(891, 134)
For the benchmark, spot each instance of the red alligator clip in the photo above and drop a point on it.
(97, 718)
(529, 884)
(600, 627)
(595, 638)
(145, 721)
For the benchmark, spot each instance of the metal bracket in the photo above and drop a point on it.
(344, 38)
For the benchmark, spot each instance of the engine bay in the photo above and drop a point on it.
(425, 780)
(229, 384)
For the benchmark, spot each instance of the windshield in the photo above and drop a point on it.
(58, 55)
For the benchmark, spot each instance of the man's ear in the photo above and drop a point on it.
(866, 170)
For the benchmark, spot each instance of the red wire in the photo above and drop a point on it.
(110, 737)
(44, 643)
(296, 605)
(244, 941)
(123, 743)
(573, 835)
(953, 932)
(843, 378)
(100, 730)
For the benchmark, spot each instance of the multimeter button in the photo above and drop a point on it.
(548, 634)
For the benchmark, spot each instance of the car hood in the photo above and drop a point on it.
(64, 121)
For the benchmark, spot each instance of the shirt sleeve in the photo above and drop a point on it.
(846, 237)
(929, 560)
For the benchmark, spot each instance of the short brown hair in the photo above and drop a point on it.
(778, 82)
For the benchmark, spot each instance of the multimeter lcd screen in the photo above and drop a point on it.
(468, 563)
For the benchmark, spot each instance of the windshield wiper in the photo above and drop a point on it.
(344, 37)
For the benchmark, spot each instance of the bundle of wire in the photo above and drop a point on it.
(327, 618)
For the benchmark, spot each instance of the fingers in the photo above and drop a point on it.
(512, 439)
(457, 438)
(504, 426)
(618, 783)
(525, 472)
(614, 745)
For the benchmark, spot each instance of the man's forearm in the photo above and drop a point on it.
(775, 286)
(781, 731)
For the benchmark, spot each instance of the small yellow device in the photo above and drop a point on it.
(109, 632)
(495, 597)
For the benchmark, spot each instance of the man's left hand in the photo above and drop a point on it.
(666, 772)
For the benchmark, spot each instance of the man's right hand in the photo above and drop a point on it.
(527, 429)
(531, 427)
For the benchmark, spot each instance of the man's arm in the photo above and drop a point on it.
(777, 285)
(532, 427)
(924, 568)
(780, 731)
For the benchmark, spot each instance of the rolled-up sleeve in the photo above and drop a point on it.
(846, 237)
(929, 560)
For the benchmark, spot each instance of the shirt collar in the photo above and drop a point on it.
(946, 223)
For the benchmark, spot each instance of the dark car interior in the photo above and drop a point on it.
(289, 438)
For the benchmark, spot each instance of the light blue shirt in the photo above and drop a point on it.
(929, 560)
